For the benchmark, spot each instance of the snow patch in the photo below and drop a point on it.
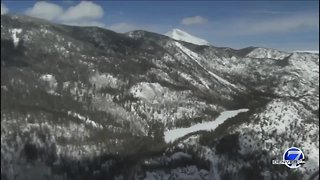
(51, 82)
(147, 91)
(180, 35)
(172, 135)
(47, 77)
(16, 40)
(86, 120)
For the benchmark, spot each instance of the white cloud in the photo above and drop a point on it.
(83, 14)
(123, 27)
(45, 10)
(85, 10)
(4, 9)
(194, 20)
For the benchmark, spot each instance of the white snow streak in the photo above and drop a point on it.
(86, 120)
(14, 36)
(172, 135)
(180, 35)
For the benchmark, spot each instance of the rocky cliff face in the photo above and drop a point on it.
(89, 103)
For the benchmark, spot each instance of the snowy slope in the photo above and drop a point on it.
(267, 53)
(180, 35)
(196, 58)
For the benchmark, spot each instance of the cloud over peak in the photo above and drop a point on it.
(84, 13)
(45, 10)
(4, 9)
(194, 20)
(85, 10)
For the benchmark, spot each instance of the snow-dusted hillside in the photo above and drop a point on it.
(268, 53)
(89, 103)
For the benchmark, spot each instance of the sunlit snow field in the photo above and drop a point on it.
(172, 135)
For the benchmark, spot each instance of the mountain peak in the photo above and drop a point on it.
(181, 35)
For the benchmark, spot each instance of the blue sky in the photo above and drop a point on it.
(284, 25)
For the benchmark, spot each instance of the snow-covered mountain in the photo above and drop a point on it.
(180, 35)
(89, 103)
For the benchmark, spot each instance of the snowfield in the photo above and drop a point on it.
(172, 135)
